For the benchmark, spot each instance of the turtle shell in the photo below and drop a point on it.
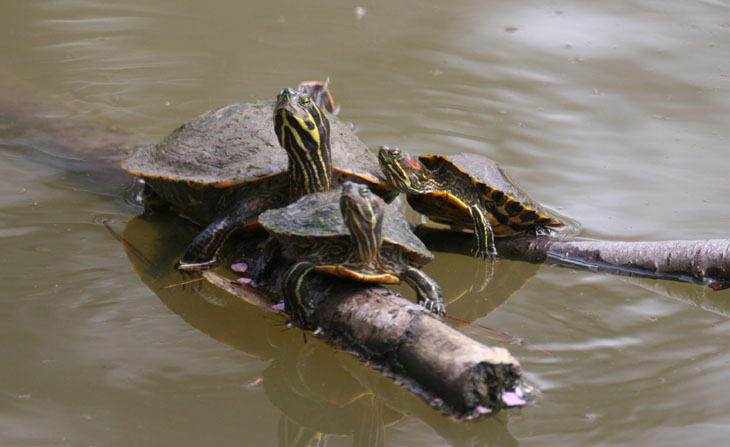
(315, 222)
(235, 145)
(513, 211)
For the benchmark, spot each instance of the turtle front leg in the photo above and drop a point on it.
(428, 291)
(483, 234)
(202, 253)
(268, 258)
(296, 296)
(234, 212)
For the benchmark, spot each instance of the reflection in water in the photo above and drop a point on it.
(612, 112)
(319, 390)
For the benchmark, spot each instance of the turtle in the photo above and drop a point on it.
(466, 191)
(349, 232)
(228, 165)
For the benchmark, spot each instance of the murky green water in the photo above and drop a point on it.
(615, 114)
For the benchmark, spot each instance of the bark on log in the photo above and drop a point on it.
(419, 350)
(705, 262)
(435, 360)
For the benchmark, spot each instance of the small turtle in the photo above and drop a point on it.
(349, 233)
(227, 166)
(466, 191)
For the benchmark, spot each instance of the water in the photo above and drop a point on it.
(613, 114)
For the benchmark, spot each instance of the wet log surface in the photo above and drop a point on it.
(419, 349)
(408, 343)
(705, 262)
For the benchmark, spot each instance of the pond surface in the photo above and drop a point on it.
(614, 114)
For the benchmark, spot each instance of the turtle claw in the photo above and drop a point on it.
(492, 257)
(434, 306)
(297, 314)
(479, 253)
(187, 266)
(489, 252)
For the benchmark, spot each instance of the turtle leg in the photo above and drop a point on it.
(296, 297)
(483, 235)
(269, 257)
(428, 291)
(202, 253)
(238, 207)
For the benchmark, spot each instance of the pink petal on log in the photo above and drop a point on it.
(244, 280)
(239, 267)
(512, 400)
(481, 409)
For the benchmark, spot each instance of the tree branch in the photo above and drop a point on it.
(451, 371)
(705, 262)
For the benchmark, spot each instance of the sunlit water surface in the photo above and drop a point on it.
(613, 114)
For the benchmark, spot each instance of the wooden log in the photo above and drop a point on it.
(451, 371)
(705, 262)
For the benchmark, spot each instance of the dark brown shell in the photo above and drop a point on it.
(316, 219)
(236, 144)
(514, 210)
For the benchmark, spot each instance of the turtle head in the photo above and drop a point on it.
(299, 120)
(403, 171)
(362, 211)
(304, 132)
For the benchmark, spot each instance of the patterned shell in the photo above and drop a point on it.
(316, 218)
(513, 205)
(236, 144)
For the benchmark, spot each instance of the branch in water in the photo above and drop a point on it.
(451, 371)
(704, 262)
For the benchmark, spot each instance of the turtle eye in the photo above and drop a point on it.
(364, 192)
(396, 153)
(306, 100)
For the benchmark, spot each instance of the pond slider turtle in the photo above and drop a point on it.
(228, 165)
(351, 233)
(466, 191)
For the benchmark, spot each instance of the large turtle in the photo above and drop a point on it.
(349, 232)
(468, 191)
(227, 166)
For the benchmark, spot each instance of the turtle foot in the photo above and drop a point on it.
(434, 306)
(297, 315)
(484, 252)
